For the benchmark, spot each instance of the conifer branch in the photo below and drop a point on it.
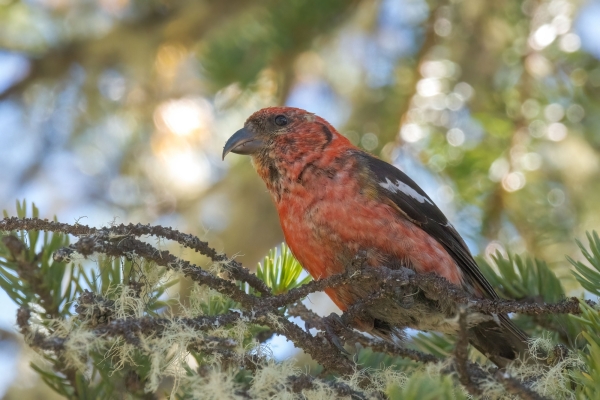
(264, 309)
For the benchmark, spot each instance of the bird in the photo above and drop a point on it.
(335, 200)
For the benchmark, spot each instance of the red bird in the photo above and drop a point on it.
(335, 200)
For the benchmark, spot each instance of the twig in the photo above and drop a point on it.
(36, 339)
(461, 354)
(517, 388)
(303, 382)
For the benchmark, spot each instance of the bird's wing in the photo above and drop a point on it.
(416, 205)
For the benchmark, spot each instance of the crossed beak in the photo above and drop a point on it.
(244, 142)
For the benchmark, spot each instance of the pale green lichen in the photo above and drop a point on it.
(215, 384)
(552, 380)
(271, 380)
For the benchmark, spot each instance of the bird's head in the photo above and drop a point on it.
(284, 138)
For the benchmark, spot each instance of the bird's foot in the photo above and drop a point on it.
(403, 299)
(334, 324)
(403, 292)
(358, 263)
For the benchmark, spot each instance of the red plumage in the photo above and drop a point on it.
(335, 200)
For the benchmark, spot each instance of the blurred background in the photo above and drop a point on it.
(117, 111)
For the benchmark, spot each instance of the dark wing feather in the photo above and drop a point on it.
(420, 209)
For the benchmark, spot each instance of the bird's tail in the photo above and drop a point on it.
(500, 342)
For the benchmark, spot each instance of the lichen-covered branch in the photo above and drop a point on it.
(264, 309)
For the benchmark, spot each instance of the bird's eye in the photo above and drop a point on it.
(281, 120)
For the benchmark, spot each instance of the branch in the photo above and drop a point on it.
(129, 329)
(118, 231)
(118, 240)
(312, 320)
(463, 367)
(129, 247)
(320, 350)
(437, 287)
(266, 310)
